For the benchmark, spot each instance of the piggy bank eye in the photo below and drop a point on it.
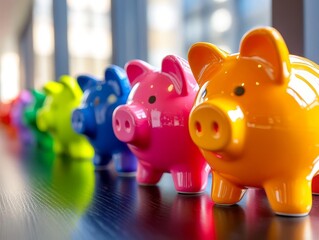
(152, 99)
(111, 99)
(239, 91)
(96, 101)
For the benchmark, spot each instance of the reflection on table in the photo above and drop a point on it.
(47, 197)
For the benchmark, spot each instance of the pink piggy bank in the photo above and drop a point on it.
(154, 123)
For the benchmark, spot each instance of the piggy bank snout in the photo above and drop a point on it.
(130, 125)
(42, 120)
(83, 122)
(124, 124)
(217, 126)
(209, 127)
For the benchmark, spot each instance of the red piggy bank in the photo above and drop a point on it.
(154, 123)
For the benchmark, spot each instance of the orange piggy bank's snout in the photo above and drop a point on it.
(209, 127)
(217, 126)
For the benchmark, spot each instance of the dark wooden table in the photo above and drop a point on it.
(44, 197)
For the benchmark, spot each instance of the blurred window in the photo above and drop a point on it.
(165, 29)
(43, 41)
(9, 84)
(175, 25)
(172, 27)
(89, 36)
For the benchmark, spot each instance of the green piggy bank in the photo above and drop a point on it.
(55, 117)
(43, 139)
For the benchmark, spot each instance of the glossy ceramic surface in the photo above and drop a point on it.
(93, 118)
(55, 117)
(154, 123)
(43, 139)
(255, 120)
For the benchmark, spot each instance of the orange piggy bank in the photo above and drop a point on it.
(256, 120)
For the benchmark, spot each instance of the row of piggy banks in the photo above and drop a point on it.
(250, 118)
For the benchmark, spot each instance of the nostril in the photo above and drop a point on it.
(78, 119)
(127, 126)
(215, 128)
(198, 127)
(117, 125)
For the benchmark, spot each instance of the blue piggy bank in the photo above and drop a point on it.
(93, 118)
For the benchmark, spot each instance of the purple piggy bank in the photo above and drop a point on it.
(154, 123)
(93, 118)
(23, 100)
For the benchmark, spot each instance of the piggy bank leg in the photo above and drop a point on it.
(45, 142)
(81, 150)
(147, 176)
(224, 192)
(57, 147)
(125, 163)
(101, 161)
(190, 181)
(289, 198)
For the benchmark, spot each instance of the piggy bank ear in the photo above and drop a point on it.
(38, 96)
(116, 77)
(267, 44)
(135, 68)
(52, 88)
(180, 71)
(71, 85)
(26, 96)
(86, 81)
(203, 55)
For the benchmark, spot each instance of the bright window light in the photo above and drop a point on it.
(162, 17)
(9, 77)
(221, 20)
(43, 38)
(43, 42)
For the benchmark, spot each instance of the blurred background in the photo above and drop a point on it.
(43, 39)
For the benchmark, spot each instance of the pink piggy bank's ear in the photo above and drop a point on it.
(203, 55)
(180, 71)
(135, 68)
(267, 44)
